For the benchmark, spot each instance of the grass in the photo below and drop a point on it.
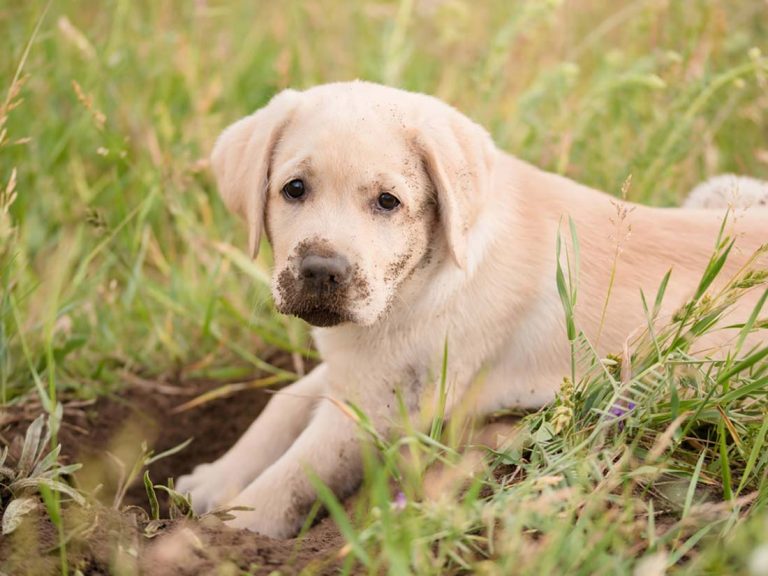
(117, 257)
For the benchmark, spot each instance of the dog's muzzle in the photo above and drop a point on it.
(319, 292)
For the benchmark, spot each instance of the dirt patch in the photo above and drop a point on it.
(109, 537)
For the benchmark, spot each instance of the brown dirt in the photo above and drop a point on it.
(122, 540)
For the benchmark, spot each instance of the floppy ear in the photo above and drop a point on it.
(458, 155)
(241, 159)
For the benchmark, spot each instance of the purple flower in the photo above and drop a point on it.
(619, 410)
(399, 502)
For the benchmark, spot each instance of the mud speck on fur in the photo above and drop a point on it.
(410, 388)
(361, 290)
(417, 376)
(422, 226)
(423, 229)
(426, 259)
(396, 268)
(315, 245)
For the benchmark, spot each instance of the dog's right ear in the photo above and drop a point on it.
(241, 161)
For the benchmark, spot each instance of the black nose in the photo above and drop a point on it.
(324, 272)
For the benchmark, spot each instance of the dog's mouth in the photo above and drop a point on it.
(318, 309)
(318, 305)
(322, 317)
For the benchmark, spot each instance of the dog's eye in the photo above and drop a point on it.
(294, 189)
(387, 202)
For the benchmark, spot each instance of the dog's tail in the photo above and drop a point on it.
(728, 190)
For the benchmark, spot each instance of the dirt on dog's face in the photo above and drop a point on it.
(348, 217)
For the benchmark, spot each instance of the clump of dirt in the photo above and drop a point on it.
(109, 536)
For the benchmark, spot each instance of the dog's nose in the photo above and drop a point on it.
(324, 272)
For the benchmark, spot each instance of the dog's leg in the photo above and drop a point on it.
(282, 496)
(271, 434)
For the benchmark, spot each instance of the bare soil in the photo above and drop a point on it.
(110, 537)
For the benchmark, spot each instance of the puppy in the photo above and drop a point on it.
(399, 228)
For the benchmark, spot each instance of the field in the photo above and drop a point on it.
(131, 319)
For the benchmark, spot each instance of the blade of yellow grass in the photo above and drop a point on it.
(229, 389)
(242, 261)
(663, 442)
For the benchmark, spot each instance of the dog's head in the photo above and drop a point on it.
(358, 187)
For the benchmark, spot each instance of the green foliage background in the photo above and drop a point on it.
(116, 254)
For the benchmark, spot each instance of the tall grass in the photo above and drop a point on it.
(116, 255)
(120, 257)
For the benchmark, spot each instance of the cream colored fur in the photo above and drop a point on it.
(728, 190)
(467, 259)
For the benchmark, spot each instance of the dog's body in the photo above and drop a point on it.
(466, 257)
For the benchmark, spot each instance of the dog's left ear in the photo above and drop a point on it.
(458, 155)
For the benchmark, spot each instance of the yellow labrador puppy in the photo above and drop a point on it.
(396, 226)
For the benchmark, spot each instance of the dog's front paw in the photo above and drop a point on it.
(265, 517)
(210, 486)
(273, 505)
